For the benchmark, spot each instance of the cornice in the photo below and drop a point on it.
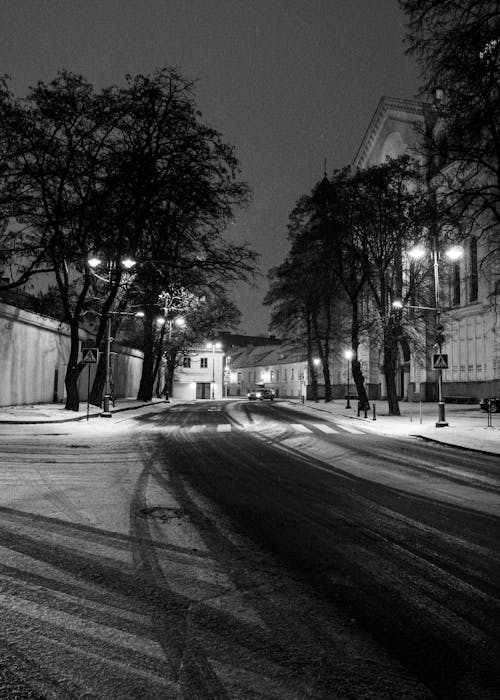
(408, 111)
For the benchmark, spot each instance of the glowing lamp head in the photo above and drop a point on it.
(417, 252)
(454, 253)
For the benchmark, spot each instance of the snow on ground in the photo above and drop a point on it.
(467, 425)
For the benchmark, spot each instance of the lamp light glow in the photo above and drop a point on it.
(417, 252)
(454, 253)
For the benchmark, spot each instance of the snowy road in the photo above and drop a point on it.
(242, 552)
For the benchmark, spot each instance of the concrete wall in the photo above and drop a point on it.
(34, 352)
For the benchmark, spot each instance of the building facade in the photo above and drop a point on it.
(200, 374)
(469, 289)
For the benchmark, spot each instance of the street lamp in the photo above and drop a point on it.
(316, 362)
(106, 413)
(127, 263)
(227, 374)
(348, 356)
(213, 346)
(454, 253)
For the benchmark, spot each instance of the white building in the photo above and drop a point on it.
(470, 292)
(282, 368)
(200, 374)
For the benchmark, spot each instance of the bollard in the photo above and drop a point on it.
(374, 413)
(366, 410)
(490, 415)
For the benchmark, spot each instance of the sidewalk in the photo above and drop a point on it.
(467, 424)
(56, 413)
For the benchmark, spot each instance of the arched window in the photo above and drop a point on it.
(473, 280)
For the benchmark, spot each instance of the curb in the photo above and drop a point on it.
(457, 447)
(77, 418)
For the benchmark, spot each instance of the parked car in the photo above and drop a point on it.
(261, 394)
(490, 404)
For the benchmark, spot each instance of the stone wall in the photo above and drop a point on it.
(34, 351)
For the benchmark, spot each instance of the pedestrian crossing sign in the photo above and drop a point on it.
(89, 356)
(439, 361)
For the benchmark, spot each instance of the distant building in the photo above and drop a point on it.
(282, 368)
(199, 374)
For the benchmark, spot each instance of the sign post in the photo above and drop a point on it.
(439, 361)
(89, 357)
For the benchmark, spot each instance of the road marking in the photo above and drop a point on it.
(224, 428)
(197, 428)
(348, 429)
(324, 428)
(300, 428)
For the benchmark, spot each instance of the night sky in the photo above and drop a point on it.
(287, 82)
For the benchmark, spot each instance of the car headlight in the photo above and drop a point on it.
(258, 394)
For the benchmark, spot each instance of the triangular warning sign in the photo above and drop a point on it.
(440, 362)
(89, 355)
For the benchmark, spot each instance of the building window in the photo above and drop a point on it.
(272, 375)
(473, 270)
(456, 284)
(292, 374)
(186, 362)
(239, 376)
(277, 375)
(204, 362)
(286, 377)
(249, 377)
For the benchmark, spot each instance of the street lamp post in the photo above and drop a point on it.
(127, 264)
(316, 363)
(227, 375)
(348, 357)
(441, 421)
(213, 346)
(106, 413)
(454, 253)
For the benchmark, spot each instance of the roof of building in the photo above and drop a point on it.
(256, 356)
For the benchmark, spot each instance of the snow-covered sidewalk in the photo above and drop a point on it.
(467, 424)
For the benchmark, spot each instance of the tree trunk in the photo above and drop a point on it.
(145, 392)
(390, 364)
(157, 362)
(73, 370)
(359, 381)
(171, 357)
(357, 374)
(314, 380)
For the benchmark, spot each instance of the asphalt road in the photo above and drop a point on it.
(244, 551)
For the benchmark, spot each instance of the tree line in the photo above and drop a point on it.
(349, 236)
(128, 173)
